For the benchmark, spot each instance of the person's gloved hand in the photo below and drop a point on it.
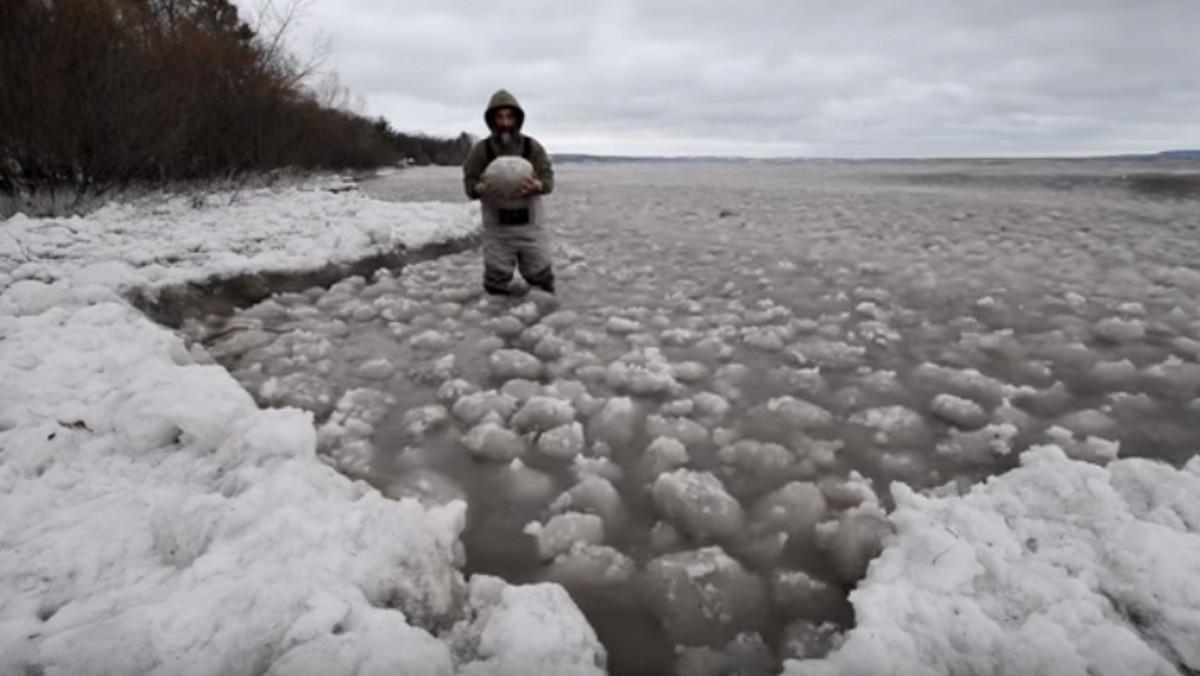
(485, 189)
(531, 186)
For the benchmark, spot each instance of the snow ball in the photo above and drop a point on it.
(958, 411)
(563, 442)
(808, 382)
(507, 174)
(756, 458)
(980, 446)
(678, 407)
(509, 364)
(474, 407)
(521, 390)
(664, 537)
(506, 326)
(703, 596)
(689, 371)
(301, 390)
(375, 369)
(805, 640)
(782, 417)
(527, 312)
(1118, 330)
(710, 405)
(691, 433)
(829, 355)
(794, 509)
(764, 339)
(1089, 423)
(679, 337)
(550, 348)
(491, 441)
(893, 424)
(642, 371)
(598, 467)
(431, 341)
(563, 531)
(622, 326)
(615, 423)
(455, 389)
(561, 319)
(698, 504)
(592, 495)
(801, 595)
(854, 541)
(429, 487)
(587, 565)
(845, 493)
(663, 455)
(418, 421)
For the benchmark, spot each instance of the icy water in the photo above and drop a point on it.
(697, 439)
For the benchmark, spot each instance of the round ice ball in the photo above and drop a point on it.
(507, 173)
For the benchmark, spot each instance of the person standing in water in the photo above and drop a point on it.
(514, 232)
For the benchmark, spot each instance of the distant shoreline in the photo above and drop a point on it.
(698, 159)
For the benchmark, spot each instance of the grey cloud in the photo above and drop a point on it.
(879, 77)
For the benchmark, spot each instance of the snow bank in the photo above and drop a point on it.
(1057, 567)
(159, 242)
(153, 520)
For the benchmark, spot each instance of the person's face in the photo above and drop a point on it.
(505, 120)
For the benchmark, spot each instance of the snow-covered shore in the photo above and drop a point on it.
(154, 520)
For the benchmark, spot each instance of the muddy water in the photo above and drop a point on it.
(1050, 316)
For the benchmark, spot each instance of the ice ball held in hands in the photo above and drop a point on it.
(507, 176)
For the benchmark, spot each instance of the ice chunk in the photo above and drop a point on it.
(710, 405)
(563, 442)
(783, 417)
(979, 446)
(589, 565)
(704, 596)
(521, 390)
(794, 509)
(508, 364)
(1118, 330)
(769, 339)
(506, 326)
(593, 495)
(830, 355)
(958, 411)
(746, 655)
(698, 504)
(854, 541)
(565, 530)
(492, 441)
(895, 425)
(302, 390)
(801, 595)
(689, 371)
(616, 423)
(642, 371)
(804, 639)
(453, 390)
(476, 406)
(431, 341)
(664, 537)
(598, 467)
(541, 413)
(1089, 449)
(689, 432)
(1089, 422)
(756, 458)
(426, 485)
(968, 383)
(418, 421)
(663, 455)
(1115, 374)
(622, 326)
(678, 407)
(552, 347)
(807, 382)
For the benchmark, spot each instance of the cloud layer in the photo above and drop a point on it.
(778, 77)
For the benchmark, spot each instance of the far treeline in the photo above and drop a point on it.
(99, 94)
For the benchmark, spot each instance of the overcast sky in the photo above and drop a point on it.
(869, 78)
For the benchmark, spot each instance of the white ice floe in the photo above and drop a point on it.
(1056, 567)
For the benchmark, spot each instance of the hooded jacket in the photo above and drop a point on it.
(477, 158)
